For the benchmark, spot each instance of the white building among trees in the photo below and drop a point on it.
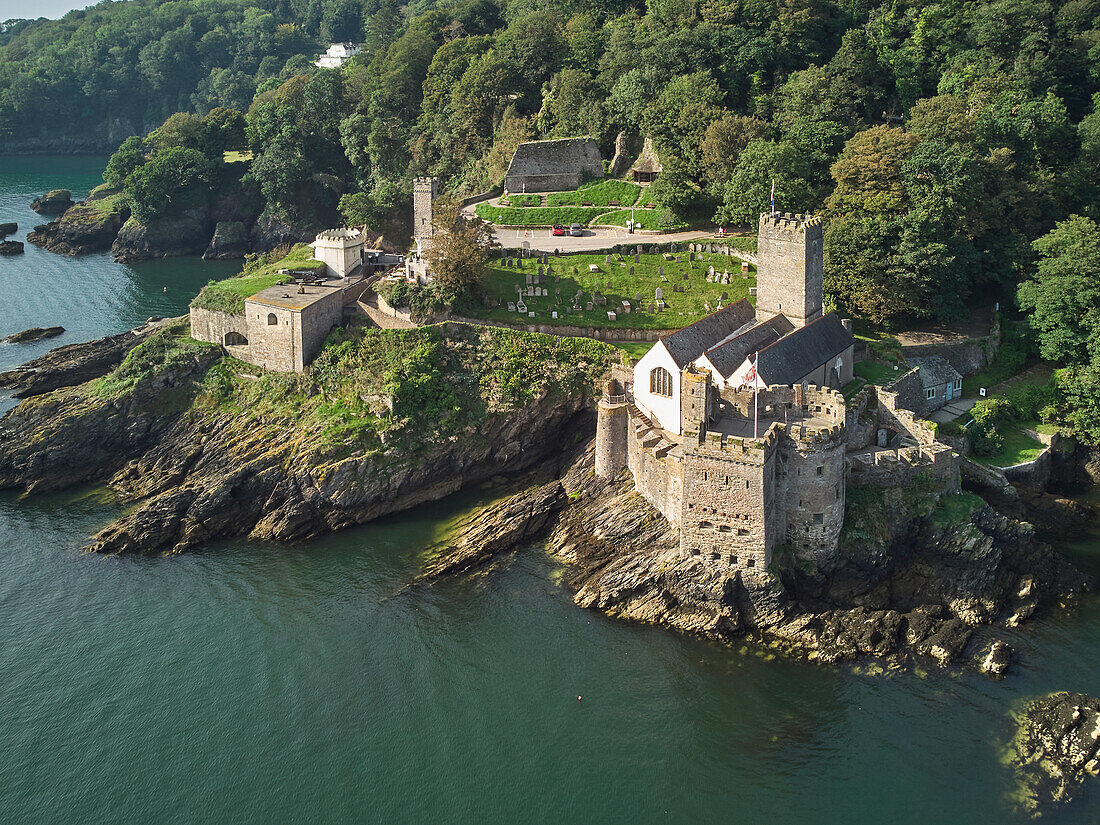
(337, 55)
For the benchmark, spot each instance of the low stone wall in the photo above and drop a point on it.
(982, 476)
(387, 317)
(598, 333)
(968, 356)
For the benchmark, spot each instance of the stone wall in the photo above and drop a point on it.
(212, 326)
(657, 469)
(790, 268)
(553, 165)
(424, 194)
(317, 321)
(903, 466)
(815, 480)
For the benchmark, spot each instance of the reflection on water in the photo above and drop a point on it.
(267, 683)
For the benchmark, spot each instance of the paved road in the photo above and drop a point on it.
(591, 240)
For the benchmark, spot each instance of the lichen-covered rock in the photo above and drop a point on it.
(11, 248)
(8, 229)
(54, 202)
(86, 227)
(1055, 750)
(184, 234)
(230, 240)
(34, 334)
(273, 230)
(998, 659)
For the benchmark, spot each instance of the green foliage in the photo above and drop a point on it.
(643, 219)
(163, 351)
(260, 271)
(537, 215)
(173, 180)
(129, 156)
(872, 514)
(523, 200)
(599, 193)
(956, 508)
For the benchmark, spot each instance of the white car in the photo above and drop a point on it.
(575, 230)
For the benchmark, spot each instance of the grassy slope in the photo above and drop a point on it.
(643, 219)
(228, 295)
(572, 274)
(441, 383)
(598, 193)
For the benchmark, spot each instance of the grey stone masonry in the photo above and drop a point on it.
(553, 165)
(424, 194)
(790, 269)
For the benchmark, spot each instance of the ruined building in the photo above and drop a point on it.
(735, 428)
(553, 165)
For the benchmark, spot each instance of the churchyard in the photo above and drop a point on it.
(625, 291)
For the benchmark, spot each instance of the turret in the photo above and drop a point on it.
(612, 419)
(790, 268)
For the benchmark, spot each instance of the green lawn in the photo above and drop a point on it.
(635, 349)
(598, 193)
(1018, 447)
(875, 373)
(643, 219)
(537, 215)
(228, 295)
(523, 201)
(570, 273)
(955, 508)
(236, 156)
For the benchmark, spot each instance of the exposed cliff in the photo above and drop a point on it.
(205, 446)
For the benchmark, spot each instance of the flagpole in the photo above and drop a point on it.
(755, 406)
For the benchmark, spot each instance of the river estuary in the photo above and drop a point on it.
(288, 684)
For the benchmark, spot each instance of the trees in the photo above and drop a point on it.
(1063, 295)
(171, 181)
(459, 254)
(748, 191)
(130, 155)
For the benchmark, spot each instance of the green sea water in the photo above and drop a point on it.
(259, 683)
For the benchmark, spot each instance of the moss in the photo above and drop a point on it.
(955, 508)
(871, 514)
(165, 350)
(260, 272)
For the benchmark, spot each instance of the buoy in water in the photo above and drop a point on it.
(166, 289)
(579, 699)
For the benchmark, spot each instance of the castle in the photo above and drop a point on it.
(735, 429)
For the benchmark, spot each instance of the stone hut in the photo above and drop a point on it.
(930, 383)
(553, 165)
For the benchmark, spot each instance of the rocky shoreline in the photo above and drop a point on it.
(940, 591)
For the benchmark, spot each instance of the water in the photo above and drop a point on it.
(288, 684)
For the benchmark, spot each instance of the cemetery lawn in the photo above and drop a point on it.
(617, 284)
(634, 349)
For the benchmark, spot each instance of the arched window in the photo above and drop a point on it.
(660, 382)
(271, 319)
(235, 339)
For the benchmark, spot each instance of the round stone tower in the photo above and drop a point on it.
(612, 417)
(816, 477)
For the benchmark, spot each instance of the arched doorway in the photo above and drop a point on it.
(235, 339)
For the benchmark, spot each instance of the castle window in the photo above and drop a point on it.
(723, 528)
(271, 319)
(741, 531)
(695, 551)
(660, 382)
(733, 559)
(705, 525)
(836, 493)
(819, 518)
(752, 562)
(715, 556)
(820, 470)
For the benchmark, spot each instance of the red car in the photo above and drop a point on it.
(559, 230)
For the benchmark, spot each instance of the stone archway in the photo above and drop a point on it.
(234, 339)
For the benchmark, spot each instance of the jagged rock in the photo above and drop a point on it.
(184, 234)
(230, 240)
(998, 659)
(273, 230)
(621, 160)
(11, 247)
(73, 364)
(925, 597)
(54, 202)
(34, 334)
(495, 529)
(86, 227)
(1057, 745)
(8, 229)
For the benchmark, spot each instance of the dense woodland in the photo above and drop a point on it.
(939, 139)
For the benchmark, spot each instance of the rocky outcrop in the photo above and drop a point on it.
(271, 231)
(936, 593)
(54, 202)
(11, 248)
(75, 363)
(230, 240)
(87, 227)
(195, 472)
(34, 334)
(8, 229)
(185, 234)
(1056, 749)
(499, 527)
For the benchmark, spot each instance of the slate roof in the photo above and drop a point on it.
(935, 370)
(692, 341)
(804, 350)
(727, 357)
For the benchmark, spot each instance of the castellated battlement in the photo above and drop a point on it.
(787, 222)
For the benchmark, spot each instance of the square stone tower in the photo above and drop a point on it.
(424, 193)
(790, 268)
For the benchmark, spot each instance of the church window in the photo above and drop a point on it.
(660, 382)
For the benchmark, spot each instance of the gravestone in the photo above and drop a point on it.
(521, 307)
(638, 297)
(661, 271)
(637, 259)
(542, 270)
(589, 307)
(554, 315)
(530, 315)
(651, 309)
(530, 280)
(685, 276)
(607, 259)
(658, 293)
(631, 272)
(691, 256)
(511, 306)
(611, 316)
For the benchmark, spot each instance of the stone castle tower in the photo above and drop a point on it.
(424, 194)
(790, 268)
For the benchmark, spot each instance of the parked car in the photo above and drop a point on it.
(558, 230)
(575, 230)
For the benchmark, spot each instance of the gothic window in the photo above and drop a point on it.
(660, 382)
(271, 319)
